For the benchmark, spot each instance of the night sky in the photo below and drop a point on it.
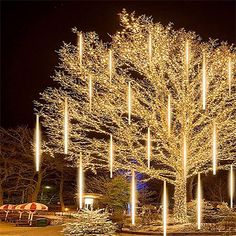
(31, 32)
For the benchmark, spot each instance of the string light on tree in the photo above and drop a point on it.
(66, 130)
(187, 51)
(150, 47)
(231, 187)
(110, 64)
(229, 75)
(164, 213)
(184, 154)
(80, 182)
(90, 93)
(214, 149)
(160, 100)
(204, 82)
(149, 147)
(80, 47)
(133, 198)
(111, 156)
(169, 114)
(199, 202)
(129, 103)
(37, 144)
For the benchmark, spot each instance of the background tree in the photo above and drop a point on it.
(18, 180)
(115, 192)
(166, 70)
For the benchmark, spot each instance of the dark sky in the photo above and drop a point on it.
(31, 32)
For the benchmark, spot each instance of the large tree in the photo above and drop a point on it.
(179, 89)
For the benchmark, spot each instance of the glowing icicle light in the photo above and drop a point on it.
(229, 75)
(80, 47)
(169, 114)
(80, 182)
(214, 149)
(187, 59)
(129, 103)
(185, 154)
(110, 64)
(37, 144)
(231, 186)
(90, 93)
(199, 202)
(149, 147)
(164, 210)
(66, 127)
(204, 82)
(150, 47)
(133, 198)
(111, 155)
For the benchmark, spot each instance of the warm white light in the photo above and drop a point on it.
(149, 147)
(80, 46)
(88, 201)
(37, 144)
(204, 82)
(229, 75)
(169, 114)
(214, 149)
(90, 93)
(150, 46)
(231, 186)
(80, 182)
(110, 64)
(133, 198)
(111, 155)
(185, 154)
(129, 103)
(164, 209)
(187, 57)
(66, 127)
(199, 202)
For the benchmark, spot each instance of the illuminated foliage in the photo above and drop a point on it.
(179, 86)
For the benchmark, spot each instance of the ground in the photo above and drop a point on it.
(7, 229)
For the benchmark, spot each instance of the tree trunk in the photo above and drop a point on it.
(1, 195)
(180, 204)
(34, 196)
(190, 189)
(61, 192)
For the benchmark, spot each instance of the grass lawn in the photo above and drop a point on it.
(7, 229)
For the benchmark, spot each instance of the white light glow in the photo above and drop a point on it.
(66, 127)
(149, 147)
(164, 209)
(133, 198)
(129, 103)
(199, 202)
(90, 93)
(204, 82)
(229, 75)
(111, 156)
(185, 154)
(214, 149)
(80, 182)
(187, 59)
(110, 64)
(169, 114)
(37, 144)
(80, 46)
(231, 186)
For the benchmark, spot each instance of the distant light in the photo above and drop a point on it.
(67, 209)
(47, 187)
